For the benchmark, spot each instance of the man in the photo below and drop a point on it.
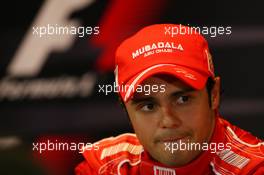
(166, 81)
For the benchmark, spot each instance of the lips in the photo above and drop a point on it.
(173, 139)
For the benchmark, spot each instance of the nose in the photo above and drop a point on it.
(169, 118)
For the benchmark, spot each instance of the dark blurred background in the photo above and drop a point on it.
(49, 84)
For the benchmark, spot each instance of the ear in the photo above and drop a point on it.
(215, 93)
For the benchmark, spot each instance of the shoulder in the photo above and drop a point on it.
(239, 136)
(246, 153)
(112, 152)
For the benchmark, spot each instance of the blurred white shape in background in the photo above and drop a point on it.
(9, 142)
(34, 50)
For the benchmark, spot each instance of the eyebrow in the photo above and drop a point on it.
(181, 92)
(141, 99)
(174, 94)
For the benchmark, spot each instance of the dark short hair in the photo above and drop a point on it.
(209, 86)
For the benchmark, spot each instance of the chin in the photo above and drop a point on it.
(176, 159)
(180, 158)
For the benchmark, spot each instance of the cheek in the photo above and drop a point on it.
(201, 122)
(144, 128)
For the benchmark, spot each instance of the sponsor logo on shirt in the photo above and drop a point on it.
(163, 171)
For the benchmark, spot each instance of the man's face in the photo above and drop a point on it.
(178, 114)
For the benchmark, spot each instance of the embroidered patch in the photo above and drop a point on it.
(163, 171)
(233, 159)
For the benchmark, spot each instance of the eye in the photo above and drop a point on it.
(183, 99)
(147, 107)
